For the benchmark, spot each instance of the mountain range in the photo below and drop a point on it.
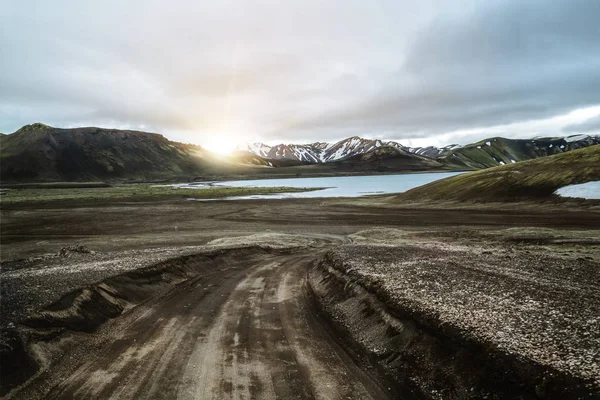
(41, 153)
(483, 154)
(318, 152)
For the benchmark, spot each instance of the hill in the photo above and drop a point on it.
(532, 179)
(41, 153)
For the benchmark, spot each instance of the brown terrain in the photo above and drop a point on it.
(316, 298)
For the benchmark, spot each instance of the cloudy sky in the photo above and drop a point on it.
(220, 72)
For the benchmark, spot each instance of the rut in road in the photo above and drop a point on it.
(245, 332)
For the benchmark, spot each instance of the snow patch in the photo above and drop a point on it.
(589, 190)
(575, 138)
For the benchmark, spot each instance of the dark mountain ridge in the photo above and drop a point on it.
(41, 153)
(387, 158)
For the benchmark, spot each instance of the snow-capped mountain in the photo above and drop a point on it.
(318, 152)
(353, 146)
(260, 149)
(432, 151)
(300, 152)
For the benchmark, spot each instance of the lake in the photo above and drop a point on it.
(338, 186)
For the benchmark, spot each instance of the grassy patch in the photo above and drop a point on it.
(55, 185)
(534, 179)
(131, 192)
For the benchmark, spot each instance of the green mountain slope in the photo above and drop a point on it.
(532, 179)
(501, 151)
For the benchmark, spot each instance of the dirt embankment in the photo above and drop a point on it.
(456, 322)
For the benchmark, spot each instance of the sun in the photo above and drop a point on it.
(220, 143)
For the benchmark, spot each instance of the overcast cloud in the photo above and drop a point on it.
(301, 70)
(591, 125)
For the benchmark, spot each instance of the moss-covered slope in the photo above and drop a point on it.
(532, 179)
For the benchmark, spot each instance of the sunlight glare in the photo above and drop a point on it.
(220, 143)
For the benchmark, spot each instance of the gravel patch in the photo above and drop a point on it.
(539, 306)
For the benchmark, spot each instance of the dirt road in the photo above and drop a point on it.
(245, 331)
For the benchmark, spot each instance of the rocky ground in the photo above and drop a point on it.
(521, 281)
(521, 301)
